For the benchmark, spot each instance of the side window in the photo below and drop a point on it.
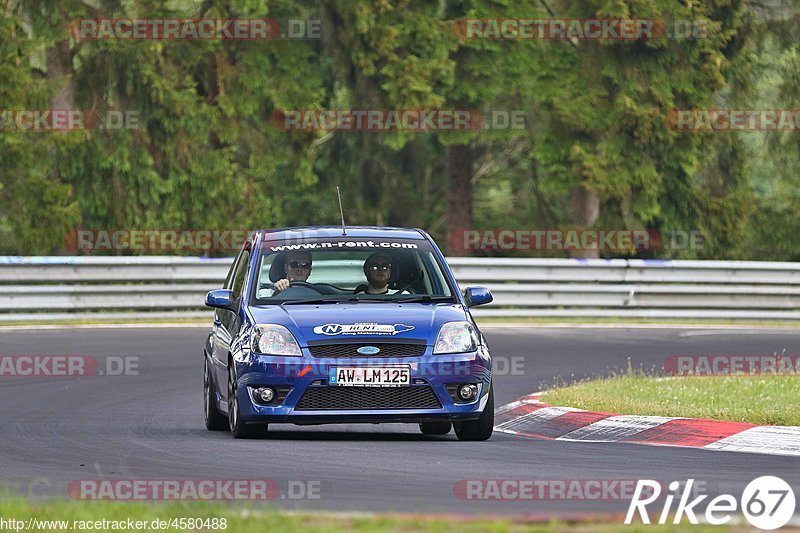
(241, 271)
(229, 278)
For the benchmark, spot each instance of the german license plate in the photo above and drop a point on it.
(369, 376)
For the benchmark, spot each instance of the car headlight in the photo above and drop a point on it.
(456, 337)
(273, 339)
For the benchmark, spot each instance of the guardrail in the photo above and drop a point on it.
(132, 287)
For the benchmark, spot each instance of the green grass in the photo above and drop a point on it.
(760, 399)
(255, 518)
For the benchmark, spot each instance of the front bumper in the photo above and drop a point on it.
(307, 373)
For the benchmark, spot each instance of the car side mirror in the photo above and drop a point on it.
(221, 299)
(477, 296)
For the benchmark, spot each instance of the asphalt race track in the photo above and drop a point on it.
(150, 426)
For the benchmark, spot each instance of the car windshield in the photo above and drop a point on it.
(348, 269)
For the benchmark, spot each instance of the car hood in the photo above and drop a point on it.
(361, 321)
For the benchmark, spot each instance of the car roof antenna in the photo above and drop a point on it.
(341, 211)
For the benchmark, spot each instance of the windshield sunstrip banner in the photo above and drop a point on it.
(345, 244)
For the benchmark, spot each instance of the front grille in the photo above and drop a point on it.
(388, 349)
(354, 398)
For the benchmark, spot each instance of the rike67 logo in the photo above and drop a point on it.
(767, 502)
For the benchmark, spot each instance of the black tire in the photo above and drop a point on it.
(435, 428)
(215, 421)
(480, 429)
(238, 428)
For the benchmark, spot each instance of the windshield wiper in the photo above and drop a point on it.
(423, 298)
(335, 299)
(340, 299)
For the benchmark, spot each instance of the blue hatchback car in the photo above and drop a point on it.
(321, 325)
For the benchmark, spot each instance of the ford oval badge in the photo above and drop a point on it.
(368, 350)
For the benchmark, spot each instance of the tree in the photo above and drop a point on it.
(607, 136)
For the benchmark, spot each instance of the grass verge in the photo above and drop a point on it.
(252, 518)
(761, 399)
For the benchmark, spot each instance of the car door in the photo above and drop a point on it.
(220, 339)
(216, 360)
(229, 321)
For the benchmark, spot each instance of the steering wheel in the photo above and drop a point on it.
(406, 288)
(304, 284)
(291, 284)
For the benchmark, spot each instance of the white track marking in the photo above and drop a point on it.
(615, 428)
(540, 415)
(769, 440)
(775, 440)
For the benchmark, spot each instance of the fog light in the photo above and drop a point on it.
(468, 392)
(265, 394)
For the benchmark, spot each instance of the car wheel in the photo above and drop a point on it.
(238, 428)
(435, 428)
(215, 421)
(480, 429)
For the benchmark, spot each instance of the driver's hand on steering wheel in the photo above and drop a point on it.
(281, 285)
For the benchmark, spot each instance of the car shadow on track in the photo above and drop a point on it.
(317, 433)
(311, 435)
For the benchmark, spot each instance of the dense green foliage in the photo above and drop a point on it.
(596, 149)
